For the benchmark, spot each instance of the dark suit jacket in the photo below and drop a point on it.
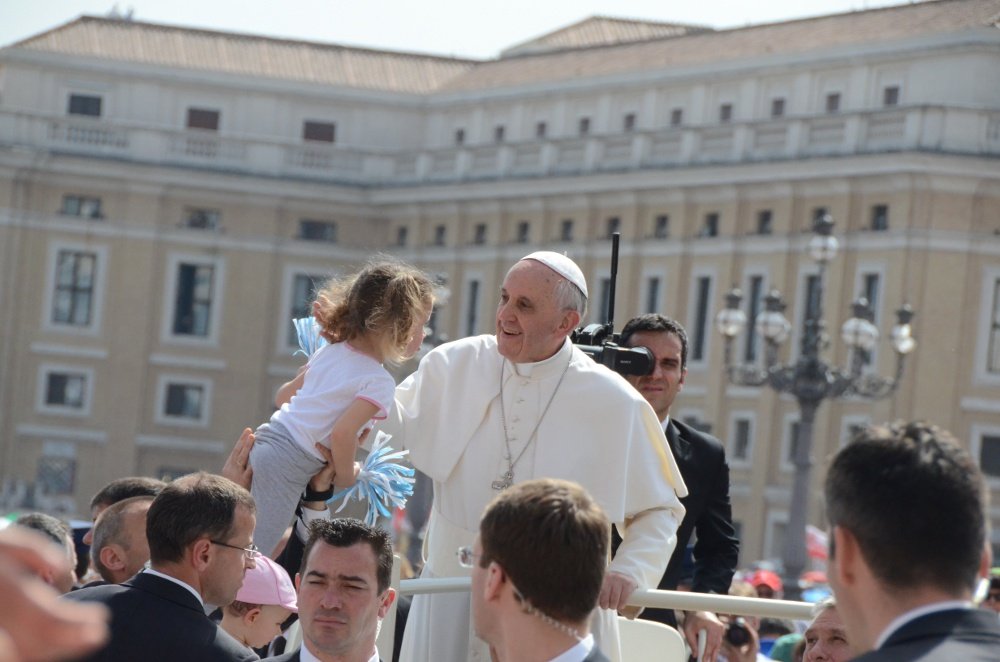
(966, 635)
(154, 619)
(701, 459)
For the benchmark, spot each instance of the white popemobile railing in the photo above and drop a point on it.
(722, 604)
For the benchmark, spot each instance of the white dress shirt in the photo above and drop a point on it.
(577, 653)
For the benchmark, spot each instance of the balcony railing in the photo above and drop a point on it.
(915, 128)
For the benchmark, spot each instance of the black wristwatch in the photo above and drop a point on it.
(312, 495)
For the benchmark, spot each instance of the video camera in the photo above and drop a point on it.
(600, 342)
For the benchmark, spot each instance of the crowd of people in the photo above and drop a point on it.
(537, 455)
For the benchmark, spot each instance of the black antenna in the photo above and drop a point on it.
(615, 236)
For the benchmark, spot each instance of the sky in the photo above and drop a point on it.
(460, 28)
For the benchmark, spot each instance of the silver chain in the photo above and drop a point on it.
(507, 479)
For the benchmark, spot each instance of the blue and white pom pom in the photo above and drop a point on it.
(310, 338)
(384, 483)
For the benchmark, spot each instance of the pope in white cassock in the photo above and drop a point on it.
(484, 412)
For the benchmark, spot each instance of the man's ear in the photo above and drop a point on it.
(495, 580)
(298, 580)
(387, 600)
(570, 320)
(848, 555)
(111, 557)
(200, 552)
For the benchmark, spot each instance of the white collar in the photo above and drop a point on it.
(914, 614)
(157, 573)
(578, 652)
(665, 422)
(306, 655)
(541, 369)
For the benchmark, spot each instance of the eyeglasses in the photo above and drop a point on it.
(250, 553)
(466, 558)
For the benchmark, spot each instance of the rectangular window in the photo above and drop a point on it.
(605, 298)
(777, 107)
(584, 126)
(661, 226)
(185, 401)
(676, 117)
(741, 440)
(629, 123)
(614, 225)
(197, 218)
(890, 96)
(989, 455)
(479, 236)
(833, 102)
(84, 104)
(566, 230)
(83, 206)
(870, 286)
(880, 218)
(459, 136)
(73, 299)
(402, 235)
(440, 235)
(754, 299)
(523, 232)
(652, 294)
(764, 221)
(201, 118)
(303, 294)
(498, 133)
(323, 132)
(710, 228)
(725, 112)
(541, 129)
(193, 303)
(700, 340)
(55, 476)
(65, 390)
(472, 311)
(313, 230)
(993, 356)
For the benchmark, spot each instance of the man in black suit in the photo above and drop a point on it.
(702, 462)
(200, 534)
(907, 513)
(538, 565)
(343, 591)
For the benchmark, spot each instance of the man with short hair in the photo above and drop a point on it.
(907, 510)
(825, 637)
(118, 490)
(343, 592)
(702, 462)
(119, 549)
(484, 413)
(59, 533)
(200, 535)
(537, 569)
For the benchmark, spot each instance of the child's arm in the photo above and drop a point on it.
(344, 439)
(288, 389)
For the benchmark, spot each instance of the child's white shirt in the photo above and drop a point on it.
(338, 375)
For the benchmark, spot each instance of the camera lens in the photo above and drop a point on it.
(737, 633)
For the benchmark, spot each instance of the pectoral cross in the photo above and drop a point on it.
(505, 481)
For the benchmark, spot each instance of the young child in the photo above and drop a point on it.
(264, 602)
(376, 316)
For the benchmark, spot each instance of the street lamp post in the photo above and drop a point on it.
(810, 379)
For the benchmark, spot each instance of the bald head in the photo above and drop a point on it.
(120, 548)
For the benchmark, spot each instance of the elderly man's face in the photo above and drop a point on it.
(826, 639)
(531, 326)
(339, 602)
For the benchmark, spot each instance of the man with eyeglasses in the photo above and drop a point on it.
(200, 534)
(538, 564)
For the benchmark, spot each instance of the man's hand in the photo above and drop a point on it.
(616, 591)
(35, 623)
(695, 621)
(323, 480)
(237, 466)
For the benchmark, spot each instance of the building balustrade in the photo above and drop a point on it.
(916, 128)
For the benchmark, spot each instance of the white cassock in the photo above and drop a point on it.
(598, 431)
